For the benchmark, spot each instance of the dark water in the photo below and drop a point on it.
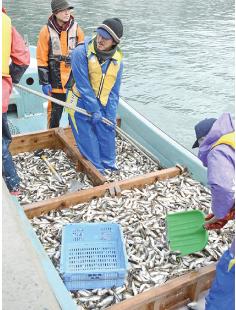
(179, 55)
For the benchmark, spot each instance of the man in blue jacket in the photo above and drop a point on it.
(97, 69)
(216, 142)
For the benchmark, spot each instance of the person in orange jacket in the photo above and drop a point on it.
(14, 49)
(56, 41)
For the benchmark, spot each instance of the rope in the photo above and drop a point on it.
(124, 135)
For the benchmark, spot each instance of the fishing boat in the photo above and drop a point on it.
(35, 280)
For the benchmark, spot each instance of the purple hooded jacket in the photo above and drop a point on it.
(220, 162)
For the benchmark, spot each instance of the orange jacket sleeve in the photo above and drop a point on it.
(43, 47)
(42, 55)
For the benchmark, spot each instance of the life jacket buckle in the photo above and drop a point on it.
(61, 58)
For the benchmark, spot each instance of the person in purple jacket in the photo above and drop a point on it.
(216, 142)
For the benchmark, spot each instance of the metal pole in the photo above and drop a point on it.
(142, 149)
(60, 102)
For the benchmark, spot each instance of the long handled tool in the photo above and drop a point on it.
(42, 155)
(62, 103)
(73, 185)
(142, 149)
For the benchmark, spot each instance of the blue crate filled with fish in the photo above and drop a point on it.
(93, 256)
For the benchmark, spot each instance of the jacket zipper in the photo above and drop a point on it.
(101, 86)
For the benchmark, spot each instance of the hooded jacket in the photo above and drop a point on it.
(220, 162)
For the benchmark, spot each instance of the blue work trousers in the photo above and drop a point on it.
(95, 142)
(8, 168)
(222, 292)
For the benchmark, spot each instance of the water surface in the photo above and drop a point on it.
(178, 55)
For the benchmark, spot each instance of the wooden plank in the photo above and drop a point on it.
(180, 304)
(65, 201)
(177, 302)
(199, 287)
(169, 290)
(69, 134)
(70, 199)
(150, 306)
(171, 300)
(36, 140)
(118, 121)
(96, 177)
(149, 178)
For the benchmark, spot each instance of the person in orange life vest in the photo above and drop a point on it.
(97, 68)
(14, 49)
(56, 41)
(216, 142)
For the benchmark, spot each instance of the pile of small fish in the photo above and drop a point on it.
(141, 213)
(38, 183)
(130, 162)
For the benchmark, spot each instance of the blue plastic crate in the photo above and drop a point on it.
(93, 256)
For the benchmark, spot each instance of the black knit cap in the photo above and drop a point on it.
(114, 27)
(60, 5)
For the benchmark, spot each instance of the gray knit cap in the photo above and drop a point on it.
(114, 27)
(60, 5)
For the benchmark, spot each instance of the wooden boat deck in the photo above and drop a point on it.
(63, 139)
(169, 296)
